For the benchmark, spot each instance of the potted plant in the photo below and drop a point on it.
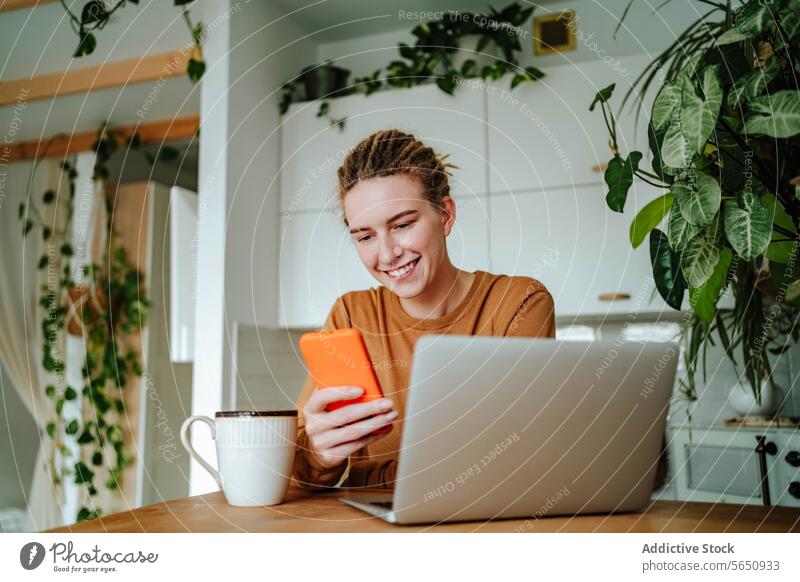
(724, 136)
(324, 80)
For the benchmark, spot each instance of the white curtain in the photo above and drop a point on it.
(20, 317)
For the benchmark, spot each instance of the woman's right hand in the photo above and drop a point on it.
(334, 435)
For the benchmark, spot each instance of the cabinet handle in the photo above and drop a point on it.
(599, 168)
(614, 296)
(793, 458)
(764, 448)
(794, 489)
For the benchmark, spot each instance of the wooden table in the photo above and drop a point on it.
(323, 512)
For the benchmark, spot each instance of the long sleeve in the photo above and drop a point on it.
(535, 315)
(307, 469)
(357, 470)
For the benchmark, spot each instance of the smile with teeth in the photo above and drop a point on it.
(405, 270)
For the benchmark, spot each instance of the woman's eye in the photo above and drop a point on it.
(364, 238)
(405, 224)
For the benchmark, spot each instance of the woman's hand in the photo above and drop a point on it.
(334, 435)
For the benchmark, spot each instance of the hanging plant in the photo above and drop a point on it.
(724, 134)
(433, 58)
(109, 305)
(95, 14)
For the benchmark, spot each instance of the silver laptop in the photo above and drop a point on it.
(499, 427)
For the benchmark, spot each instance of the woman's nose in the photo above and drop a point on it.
(390, 251)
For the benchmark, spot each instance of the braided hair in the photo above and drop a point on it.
(390, 152)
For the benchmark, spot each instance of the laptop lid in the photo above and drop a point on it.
(499, 427)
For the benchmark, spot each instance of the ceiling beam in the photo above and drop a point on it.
(104, 76)
(61, 145)
(10, 5)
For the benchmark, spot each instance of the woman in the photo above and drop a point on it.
(395, 196)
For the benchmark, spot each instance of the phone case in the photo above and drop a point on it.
(340, 358)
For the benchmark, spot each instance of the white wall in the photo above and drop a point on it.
(251, 53)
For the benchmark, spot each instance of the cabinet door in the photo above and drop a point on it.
(543, 135)
(318, 262)
(312, 150)
(577, 247)
(468, 242)
(718, 466)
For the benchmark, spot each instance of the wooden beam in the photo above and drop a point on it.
(10, 5)
(152, 132)
(105, 76)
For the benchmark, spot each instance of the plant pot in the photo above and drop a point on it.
(324, 81)
(743, 401)
(80, 300)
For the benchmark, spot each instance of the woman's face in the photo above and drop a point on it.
(399, 235)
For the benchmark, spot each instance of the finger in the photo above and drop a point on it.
(324, 396)
(332, 438)
(355, 412)
(347, 449)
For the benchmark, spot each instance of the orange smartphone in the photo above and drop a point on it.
(340, 358)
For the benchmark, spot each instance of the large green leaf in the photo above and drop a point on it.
(754, 17)
(676, 150)
(664, 105)
(666, 270)
(602, 96)
(649, 217)
(753, 84)
(780, 251)
(730, 36)
(692, 119)
(700, 113)
(748, 231)
(679, 231)
(700, 257)
(775, 115)
(703, 299)
(619, 178)
(699, 202)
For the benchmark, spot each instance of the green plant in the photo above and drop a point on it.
(95, 14)
(115, 306)
(723, 134)
(431, 58)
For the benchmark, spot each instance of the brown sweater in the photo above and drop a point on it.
(496, 305)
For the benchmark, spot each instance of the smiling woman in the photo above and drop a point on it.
(395, 198)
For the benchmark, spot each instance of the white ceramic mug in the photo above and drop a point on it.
(255, 452)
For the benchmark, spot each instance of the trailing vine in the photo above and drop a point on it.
(431, 58)
(110, 304)
(95, 14)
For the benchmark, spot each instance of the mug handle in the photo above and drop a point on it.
(188, 445)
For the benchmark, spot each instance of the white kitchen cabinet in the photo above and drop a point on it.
(312, 150)
(542, 134)
(570, 241)
(318, 260)
(469, 242)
